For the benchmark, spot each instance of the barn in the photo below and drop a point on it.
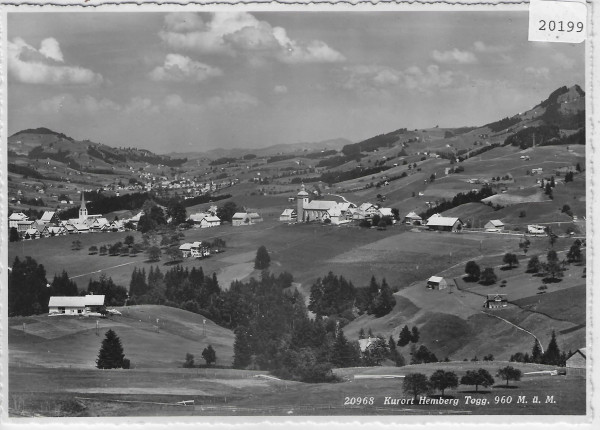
(245, 218)
(437, 283)
(494, 225)
(75, 305)
(442, 223)
(496, 301)
(288, 215)
(576, 363)
(413, 219)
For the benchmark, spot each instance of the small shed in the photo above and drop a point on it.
(496, 301)
(576, 362)
(437, 283)
(494, 225)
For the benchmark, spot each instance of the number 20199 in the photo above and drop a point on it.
(568, 26)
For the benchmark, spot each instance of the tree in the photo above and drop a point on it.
(383, 302)
(548, 190)
(536, 352)
(405, 336)
(174, 254)
(209, 355)
(28, 293)
(510, 374)
(103, 250)
(111, 352)
(574, 254)
(63, 286)
(442, 380)
(262, 259)
(226, 212)
(415, 384)
(414, 336)
(76, 245)
(534, 265)
(242, 350)
(552, 354)
(129, 240)
(93, 250)
(176, 211)
(14, 235)
(343, 353)
(488, 276)
(578, 168)
(189, 360)
(472, 269)
(510, 259)
(153, 253)
(553, 268)
(477, 377)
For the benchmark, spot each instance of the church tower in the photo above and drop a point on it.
(302, 200)
(83, 213)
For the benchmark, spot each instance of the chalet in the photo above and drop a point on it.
(31, 233)
(197, 218)
(75, 305)
(116, 225)
(49, 218)
(365, 211)
(364, 344)
(494, 225)
(56, 230)
(23, 226)
(15, 218)
(387, 212)
(198, 250)
(413, 219)
(576, 362)
(79, 227)
(245, 218)
(442, 223)
(496, 301)
(437, 283)
(288, 215)
(210, 221)
(186, 250)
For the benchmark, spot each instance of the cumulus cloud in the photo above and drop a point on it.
(235, 100)
(563, 61)
(538, 72)
(454, 56)
(280, 89)
(68, 104)
(179, 68)
(45, 65)
(242, 34)
(491, 49)
(369, 78)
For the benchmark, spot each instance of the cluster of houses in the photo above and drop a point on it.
(205, 219)
(50, 225)
(330, 211)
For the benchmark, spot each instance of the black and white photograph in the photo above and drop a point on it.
(243, 212)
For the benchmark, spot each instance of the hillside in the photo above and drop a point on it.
(71, 341)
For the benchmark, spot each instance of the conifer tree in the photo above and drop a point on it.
(405, 336)
(111, 352)
(242, 350)
(536, 352)
(552, 353)
(414, 338)
(262, 259)
(209, 355)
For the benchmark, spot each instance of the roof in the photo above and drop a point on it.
(239, 215)
(442, 221)
(185, 247)
(31, 231)
(253, 215)
(321, 205)
(55, 230)
(196, 244)
(436, 279)
(496, 296)
(412, 215)
(365, 206)
(17, 216)
(197, 217)
(496, 223)
(386, 211)
(212, 218)
(77, 301)
(47, 216)
(289, 212)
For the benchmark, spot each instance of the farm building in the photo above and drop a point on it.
(576, 362)
(198, 250)
(31, 233)
(413, 219)
(75, 305)
(245, 218)
(186, 250)
(49, 217)
(536, 229)
(288, 215)
(494, 225)
(387, 212)
(205, 220)
(437, 283)
(365, 211)
(496, 301)
(442, 223)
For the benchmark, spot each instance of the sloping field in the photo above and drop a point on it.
(152, 336)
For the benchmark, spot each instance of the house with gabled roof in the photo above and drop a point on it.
(442, 223)
(49, 218)
(496, 301)
(577, 362)
(494, 225)
(413, 219)
(75, 305)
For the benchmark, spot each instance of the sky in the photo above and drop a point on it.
(197, 81)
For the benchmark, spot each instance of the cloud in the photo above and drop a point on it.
(370, 78)
(538, 72)
(179, 68)
(44, 66)
(67, 104)
(454, 56)
(564, 61)
(280, 89)
(242, 34)
(232, 100)
(490, 49)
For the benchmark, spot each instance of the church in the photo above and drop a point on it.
(86, 223)
(321, 210)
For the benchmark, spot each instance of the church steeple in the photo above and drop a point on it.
(302, 200)
(83, 213)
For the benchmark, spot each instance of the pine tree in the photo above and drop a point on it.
(242, 350)
(262, 259)
(405, 336)
(536, 352)
(552, 354)
(111, 352)
(414, 338)
(383, 302)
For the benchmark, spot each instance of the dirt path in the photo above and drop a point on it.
(106, 268)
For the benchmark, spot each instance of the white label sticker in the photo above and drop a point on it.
(557, 21)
